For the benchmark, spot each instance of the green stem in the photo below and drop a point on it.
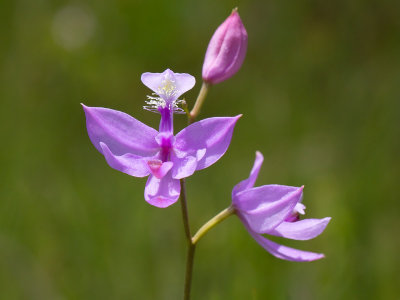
(191, 246)
(199, 101)
(185, 214)
(212, 222)
(189, 270)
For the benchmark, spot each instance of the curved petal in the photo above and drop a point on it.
(168, 85)
(128, 163)
(301, 230)
(183, 167)
(265, 207)
(249, 182)
(120, 132)
(184, 83)
(213, 134)
(154, 81)
(284, 252)
(162, 192)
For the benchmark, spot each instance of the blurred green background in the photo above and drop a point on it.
(319, 91)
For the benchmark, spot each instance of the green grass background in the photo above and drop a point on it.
(320, 96)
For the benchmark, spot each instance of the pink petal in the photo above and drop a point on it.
(128, 163)
(213, 134)
(162, 192)
(183, 167)
(120, 132)
(284, 252)
(301, 230)
(263, 208)
(184, 82)
(249, 182)
(155, 81)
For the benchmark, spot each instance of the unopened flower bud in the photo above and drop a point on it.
(226, 50)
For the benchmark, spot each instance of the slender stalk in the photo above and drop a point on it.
(189, 270)
(191, 246)
(199, 101)
(185, 214)
(193, 241)
(212, 223)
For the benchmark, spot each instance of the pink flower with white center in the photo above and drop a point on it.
(138, 150)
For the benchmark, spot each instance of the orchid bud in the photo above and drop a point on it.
(226, 50)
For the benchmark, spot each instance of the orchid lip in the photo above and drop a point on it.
(167, 87)
(167, 90)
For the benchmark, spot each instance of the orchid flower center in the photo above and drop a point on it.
(167, 97)
(165, 140)
(297, 211)
(168, 89)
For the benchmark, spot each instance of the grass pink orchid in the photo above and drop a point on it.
(274, 210)
(138, 150)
